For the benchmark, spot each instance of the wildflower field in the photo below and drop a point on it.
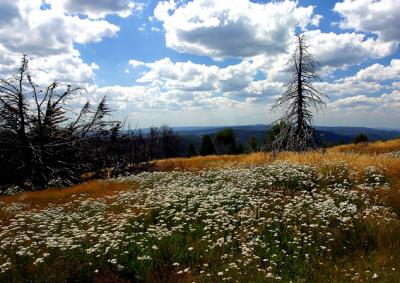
(313, 217)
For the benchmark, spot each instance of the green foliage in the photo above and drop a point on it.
(226, 136)
(207, 146)
(360, 138)
(191, 150)
(253, 143)
(240, 149)
(225, 142)
(273, 133)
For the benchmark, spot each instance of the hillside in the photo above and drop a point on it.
(309, 217)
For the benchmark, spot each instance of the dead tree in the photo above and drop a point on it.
(299, 98)
(39, 138)
(13, 120)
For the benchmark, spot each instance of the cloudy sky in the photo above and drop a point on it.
(210, 62)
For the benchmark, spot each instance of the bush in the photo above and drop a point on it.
(360, 138)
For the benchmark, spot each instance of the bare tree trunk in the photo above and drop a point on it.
(23, 142)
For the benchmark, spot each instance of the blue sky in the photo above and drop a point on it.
(210, 62)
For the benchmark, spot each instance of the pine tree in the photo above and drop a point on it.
(253, 143)
(191, 150)
(207, 146)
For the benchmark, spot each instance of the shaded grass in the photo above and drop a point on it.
(381, 265)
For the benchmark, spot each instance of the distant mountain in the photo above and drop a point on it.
(373, 134)
(330, 135)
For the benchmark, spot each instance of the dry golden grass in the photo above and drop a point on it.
(378, 147)
(91, 189)
(358, 156)
(211, 161)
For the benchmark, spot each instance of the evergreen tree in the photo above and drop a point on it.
(225, 142)
(240, 149)
(360, 138)
(273, 134)
(207, 146)
(191, 150)
(253, 143)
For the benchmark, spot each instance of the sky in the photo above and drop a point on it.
(209, 62)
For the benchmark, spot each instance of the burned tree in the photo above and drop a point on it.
(40, 139)
(298, 99)
(13, 125)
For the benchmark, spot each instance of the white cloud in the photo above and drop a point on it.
(50, 32)
(235, 81)
(151, 98)
(8, 11)
(226, 28)
(346, 87)
(62, 68)
(252, 81)
(96, 9)
(378, 72)
(48, 36)
(135, 63)
(370, 80)
(396, 85)
(387, 102)
(377, 16)
(334, 50)
(184, 76)
(245, 29)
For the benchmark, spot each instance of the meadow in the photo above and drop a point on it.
(292, 217)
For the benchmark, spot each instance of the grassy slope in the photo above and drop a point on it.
(382, 258)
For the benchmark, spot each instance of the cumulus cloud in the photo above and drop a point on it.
(152, 98)
(135, 63)
(347, 87)
(370, 80)
(49, 36)
(256, 80)
(237, 80)
(386, 102)
(227, 28)
(377, 16)
(8, 11)
(379, 72)
(64, 68)
(345, 49)
(94, 8)
(246, 29)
